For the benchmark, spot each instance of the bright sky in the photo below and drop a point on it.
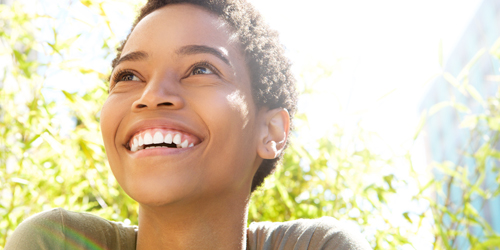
(384, 45)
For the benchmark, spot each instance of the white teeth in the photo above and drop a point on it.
(177, 139)
(148, 139)
(158, 138)
(134, 145)
(168, 138)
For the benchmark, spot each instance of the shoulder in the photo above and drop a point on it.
(322, 233)
(62, 229)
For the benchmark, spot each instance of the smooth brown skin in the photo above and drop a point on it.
(194, 198)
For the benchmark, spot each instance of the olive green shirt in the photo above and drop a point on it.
(62, 229)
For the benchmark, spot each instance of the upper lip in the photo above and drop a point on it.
(159, 123)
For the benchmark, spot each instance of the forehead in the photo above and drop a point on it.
(177, 25)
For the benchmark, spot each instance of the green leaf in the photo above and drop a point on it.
(452, 80)
(284, 195)
(493, 123)
(69, 96)
(475, 94)
(68, 42)
(87, 3)
(469, 121)
(20, 181)
(444, 237)
(429, 183)
(437, 107)
(466, 69)
(469, 210)
(495, 49)
(490, 243)
(407, 217)
(460, 107)
(54, 48)
(56, 145)
(388, 179)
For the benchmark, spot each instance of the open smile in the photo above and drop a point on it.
(161, 138)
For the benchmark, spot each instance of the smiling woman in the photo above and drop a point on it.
(198, 114)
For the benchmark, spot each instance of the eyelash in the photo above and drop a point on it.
(205, 64)
(121, 73)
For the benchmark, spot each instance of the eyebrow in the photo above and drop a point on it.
(200, 49)
(132, 56)
(184, 50)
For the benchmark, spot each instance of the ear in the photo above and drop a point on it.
(273, 134)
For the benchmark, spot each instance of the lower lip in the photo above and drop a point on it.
(158, 151)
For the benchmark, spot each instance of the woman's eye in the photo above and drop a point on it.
(201, 70)
(129, 77)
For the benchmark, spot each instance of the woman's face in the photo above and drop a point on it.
(181, 82)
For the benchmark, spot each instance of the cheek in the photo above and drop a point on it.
(225, 112)
(110, 119)
(112, 114)
(239, 104)
(229, 116)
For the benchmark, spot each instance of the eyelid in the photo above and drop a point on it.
(115, 77)
(206, 64)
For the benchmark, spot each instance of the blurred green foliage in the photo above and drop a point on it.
(347, 175)
(41, 165)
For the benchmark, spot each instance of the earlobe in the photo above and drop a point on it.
(274, 133)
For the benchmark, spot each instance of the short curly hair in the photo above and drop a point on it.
(273, 85)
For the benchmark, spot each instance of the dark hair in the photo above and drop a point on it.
(273, 85)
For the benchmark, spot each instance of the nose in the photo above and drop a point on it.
(159, 93)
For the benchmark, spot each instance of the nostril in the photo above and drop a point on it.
(165, 104)
(141, 105)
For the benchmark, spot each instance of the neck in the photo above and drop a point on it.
(214, 224)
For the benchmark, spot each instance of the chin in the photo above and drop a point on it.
(155, 198)
(157, 191)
